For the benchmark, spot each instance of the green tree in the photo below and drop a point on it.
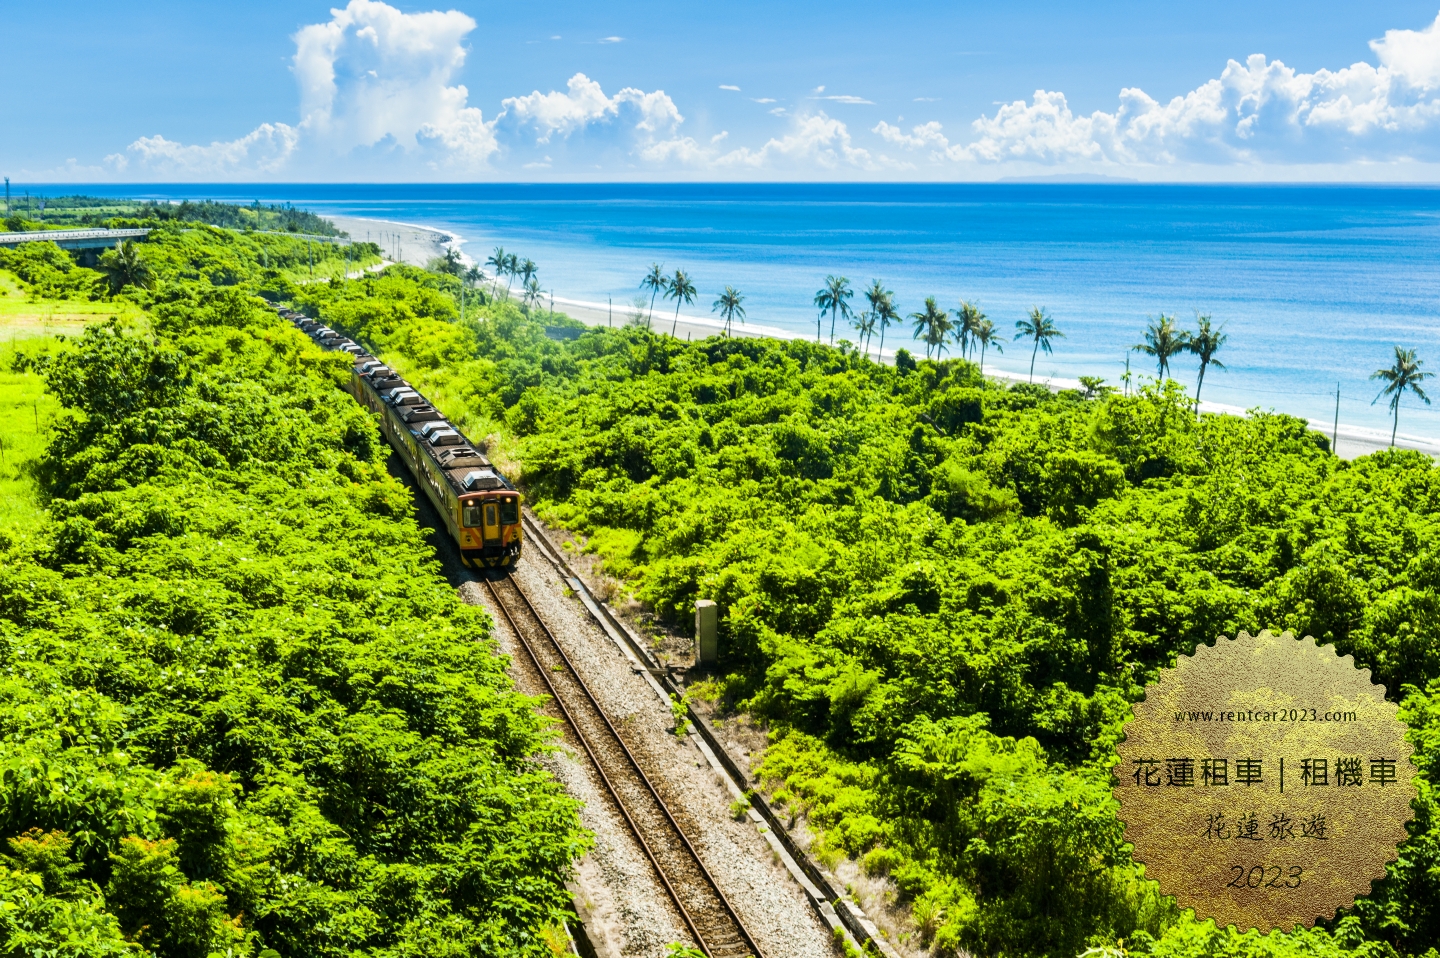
(728, 306)
(1041, 328)
(968, 318)
(126, 266)
(864, 324)
(657, 282)
(1164, 340)
(512, 270)
(1404, 374)
(875, 296)
(887, 313)
(834, 298)
(681, 290)
(984, 334)
(932, 325)
(499, 261)
(1205, 343)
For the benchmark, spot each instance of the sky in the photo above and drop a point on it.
(627, 90)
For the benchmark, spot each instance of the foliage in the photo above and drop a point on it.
(78, 211)
(241, 711)
(51, 272)
(944, 593)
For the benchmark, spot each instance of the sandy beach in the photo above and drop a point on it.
(417, 245)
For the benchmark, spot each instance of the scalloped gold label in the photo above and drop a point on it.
(1265, 781)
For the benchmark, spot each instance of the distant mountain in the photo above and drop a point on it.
(1068, 178)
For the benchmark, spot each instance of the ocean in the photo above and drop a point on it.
(1314, 285)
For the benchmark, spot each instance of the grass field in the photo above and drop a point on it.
(26, 410)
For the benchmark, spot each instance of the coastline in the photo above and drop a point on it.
(416, 245)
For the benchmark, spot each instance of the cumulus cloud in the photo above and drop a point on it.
(1257, 111)
(813, 141)
(265, 149)
(584, 103)
(919, 137)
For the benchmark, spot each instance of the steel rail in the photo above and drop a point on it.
(634, 763)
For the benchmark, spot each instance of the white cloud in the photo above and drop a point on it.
(763, 99)
(844, 99)
(919, 137)
(612, 39)
(814, 141)
(1256, 111)
(926, 99)
(373, 74)
(264, 149)
(719, 136)
(729, 86)
(584, 103)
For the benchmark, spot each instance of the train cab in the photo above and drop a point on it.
(490, 527)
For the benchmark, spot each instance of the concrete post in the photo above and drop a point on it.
(707, 645)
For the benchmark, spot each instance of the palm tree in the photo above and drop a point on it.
(969, 317)
(527, 270)
(532, 291)
(984, 333)
(728, 306)
(1041, 328)
(1163, 340)
(929, 322)
(875, 295)
(512, 269)
(941, 332)
(1205, 343)
(864, 324)
(657, 282)
(498, 260)
(681, 290)
(1405, 374)
(834, 298)
(887, 313)
(124, 266)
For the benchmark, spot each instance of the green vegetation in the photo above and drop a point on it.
(71, 212)
(944, 593)
(241, 711)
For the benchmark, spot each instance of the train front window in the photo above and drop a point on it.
(471, 515)
(509, 510)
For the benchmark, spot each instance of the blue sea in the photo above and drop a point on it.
(1314, 285)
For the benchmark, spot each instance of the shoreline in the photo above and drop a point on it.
(416, 245)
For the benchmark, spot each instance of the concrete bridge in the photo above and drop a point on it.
(88, 243)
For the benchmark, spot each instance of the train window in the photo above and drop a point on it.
(509, 510)
(470, 515)
(490, 514)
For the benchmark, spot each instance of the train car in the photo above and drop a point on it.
(480, 507)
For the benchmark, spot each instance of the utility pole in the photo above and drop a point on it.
(7, 196)
(1335, 434)
(611, 301)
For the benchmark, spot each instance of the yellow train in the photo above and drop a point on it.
(480, 508)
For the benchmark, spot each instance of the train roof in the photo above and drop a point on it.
(462, 462)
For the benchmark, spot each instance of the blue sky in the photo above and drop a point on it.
(629, 90)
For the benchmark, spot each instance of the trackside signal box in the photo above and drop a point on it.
(707, 645)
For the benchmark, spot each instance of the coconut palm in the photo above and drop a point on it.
(1163, 340)
(864, 324)
(125, 266)
(527, 270)
(681, 290)
(875, 295)
(1405, 374)
(512, 269)
(532, 291)
(657, 282)
(929, 322)
(1205, 343)
(1041, 328)
(967, 317)
(498, 261)
(984, 334)
(886, 313)
(835, 299)
(728, 306)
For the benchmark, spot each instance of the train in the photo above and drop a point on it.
(478, 504)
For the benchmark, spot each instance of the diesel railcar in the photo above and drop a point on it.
(480, 507)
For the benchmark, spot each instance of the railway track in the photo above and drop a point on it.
(710, 918)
